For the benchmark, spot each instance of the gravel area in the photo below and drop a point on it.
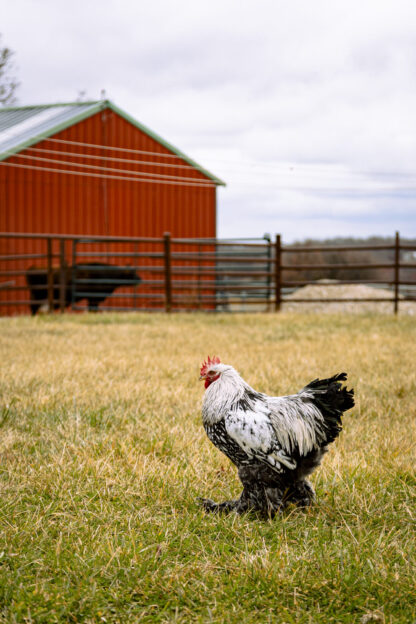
(345, 291)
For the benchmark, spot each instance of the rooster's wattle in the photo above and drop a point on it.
(275, 442)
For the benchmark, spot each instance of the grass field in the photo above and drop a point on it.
(103, 454)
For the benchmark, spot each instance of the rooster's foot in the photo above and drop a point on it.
(211, 507)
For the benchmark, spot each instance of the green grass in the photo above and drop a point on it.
(103, 455)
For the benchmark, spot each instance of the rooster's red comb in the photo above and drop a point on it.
(205, 365)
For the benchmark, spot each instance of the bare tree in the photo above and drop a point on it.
(8, 83)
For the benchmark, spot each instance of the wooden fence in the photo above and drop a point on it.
(178, 274)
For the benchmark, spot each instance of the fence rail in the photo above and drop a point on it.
(167, 273)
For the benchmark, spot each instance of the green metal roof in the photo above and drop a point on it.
(23, 126)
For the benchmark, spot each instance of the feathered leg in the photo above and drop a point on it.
(276, 502)
(253, 498)
(271, 495)
(262, 490)
(269, 500)
(250, 499)
(301, 493)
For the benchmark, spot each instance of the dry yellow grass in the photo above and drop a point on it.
(103, 454)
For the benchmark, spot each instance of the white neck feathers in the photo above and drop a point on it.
(221, 394)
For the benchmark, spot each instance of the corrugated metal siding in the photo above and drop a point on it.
(41, 201)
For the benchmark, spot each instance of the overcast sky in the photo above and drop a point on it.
(307, 109)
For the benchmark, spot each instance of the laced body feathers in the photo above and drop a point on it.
(295, 422)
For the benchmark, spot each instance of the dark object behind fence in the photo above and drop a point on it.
(93, 282)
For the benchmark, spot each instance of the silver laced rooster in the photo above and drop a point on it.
(275, 442)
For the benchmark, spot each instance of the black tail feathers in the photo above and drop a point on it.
(331, 390)
(332, 399)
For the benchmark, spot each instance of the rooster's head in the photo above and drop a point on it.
(211, 369)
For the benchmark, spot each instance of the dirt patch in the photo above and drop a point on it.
(333, 290)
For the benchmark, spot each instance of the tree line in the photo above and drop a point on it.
(359, 255)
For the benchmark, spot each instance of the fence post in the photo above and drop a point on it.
(50, 275)
(73, 273)
(278, 273)
(62, 276)
(199, 276)
(168, 276)
(396, 272)
(268, 239)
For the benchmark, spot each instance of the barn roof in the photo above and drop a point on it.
(23, 126)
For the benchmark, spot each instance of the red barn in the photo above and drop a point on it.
(88, 168)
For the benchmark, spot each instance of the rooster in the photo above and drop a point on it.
(275, 442)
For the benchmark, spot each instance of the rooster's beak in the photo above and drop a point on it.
(201, 378)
